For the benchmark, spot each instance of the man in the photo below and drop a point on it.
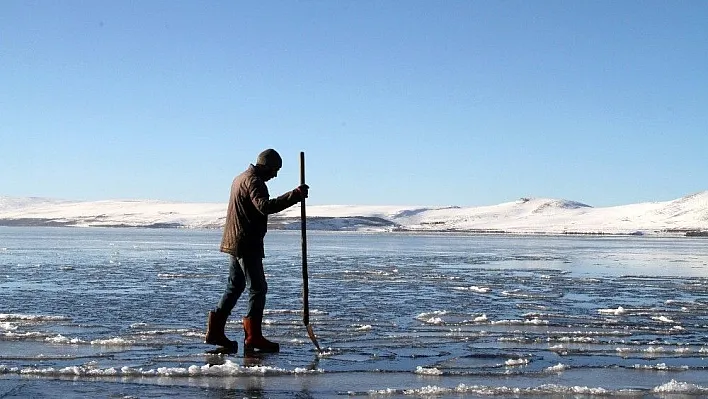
(245, 228)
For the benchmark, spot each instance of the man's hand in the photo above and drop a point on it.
(304, 190)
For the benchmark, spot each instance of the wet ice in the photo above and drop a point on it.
(393, 312)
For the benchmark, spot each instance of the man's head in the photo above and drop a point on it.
(270, 161)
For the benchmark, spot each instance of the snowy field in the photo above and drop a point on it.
(526, 215)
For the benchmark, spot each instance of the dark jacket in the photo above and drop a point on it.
(247, 214)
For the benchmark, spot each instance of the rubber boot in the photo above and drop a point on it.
(215, 335)
(254, 340)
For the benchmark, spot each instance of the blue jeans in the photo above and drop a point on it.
(246, 272)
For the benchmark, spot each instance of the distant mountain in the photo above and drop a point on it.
(524, 216)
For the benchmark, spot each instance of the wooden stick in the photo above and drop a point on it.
(303, 231)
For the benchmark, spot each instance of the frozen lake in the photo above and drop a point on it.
(121, 312)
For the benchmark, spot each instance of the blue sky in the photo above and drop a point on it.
(394, 102)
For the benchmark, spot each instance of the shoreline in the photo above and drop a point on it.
(674, 233)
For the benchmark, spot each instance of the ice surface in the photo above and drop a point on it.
(407, 314)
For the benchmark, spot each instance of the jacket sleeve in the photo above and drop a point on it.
(265, 205)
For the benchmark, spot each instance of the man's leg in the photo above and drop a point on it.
(234, 287)
(257, 289)
(216, 321)
(252, 269)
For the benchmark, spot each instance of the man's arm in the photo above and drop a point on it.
(265, 205)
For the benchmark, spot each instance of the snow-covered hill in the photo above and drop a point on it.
(527, 215)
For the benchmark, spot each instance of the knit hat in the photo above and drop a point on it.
(270, 159)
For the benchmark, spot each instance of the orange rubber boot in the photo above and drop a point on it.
(254, 341)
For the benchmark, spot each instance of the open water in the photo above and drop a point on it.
(121, 313)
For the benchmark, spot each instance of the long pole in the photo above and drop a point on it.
(303, 231)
